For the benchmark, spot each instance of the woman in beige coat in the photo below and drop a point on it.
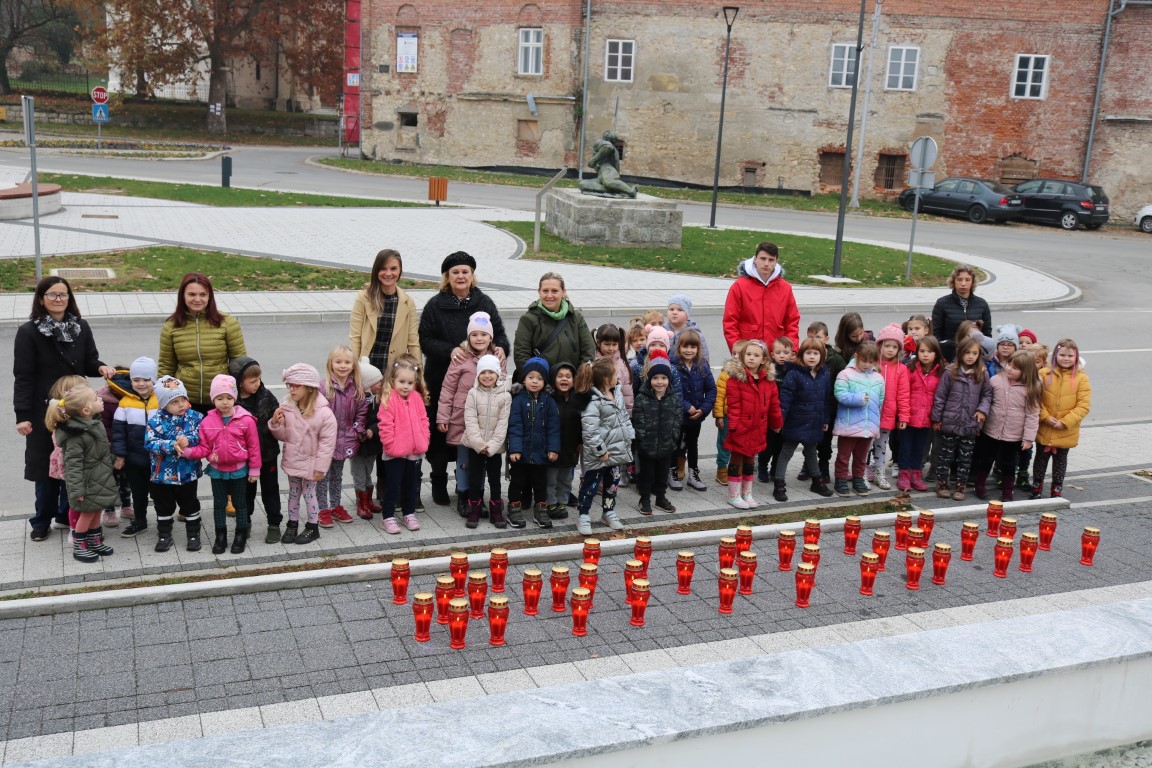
(385, 323)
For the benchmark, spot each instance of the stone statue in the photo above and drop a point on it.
(606, 160)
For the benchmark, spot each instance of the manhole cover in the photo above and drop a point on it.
(84, 274)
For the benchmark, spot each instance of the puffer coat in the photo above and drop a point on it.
(895, 407)
(235, 444)
(958, 398)
(1067, 397)
(753, 408)
(697, 388)
(1009, 418)
(455, 390)
(130, 421)
(628, 385)
(921, 394)
(88, 472)
(350, 412)
(606, 429)
(533, 427)
(571, 409)
(573, 344)
(262, 405)
(486, 413)
(657, 422)
(308, 441)
(198, 352)
(805, 403)
(854, 417)
(163, 429)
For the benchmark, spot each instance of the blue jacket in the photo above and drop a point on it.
(854, 418)
(697, 388)
(806, 402)
(533, 427)
(163, 429)
(129, 421)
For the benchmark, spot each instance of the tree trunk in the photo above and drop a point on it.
(217, 95)
(143, 90)
(5, 83)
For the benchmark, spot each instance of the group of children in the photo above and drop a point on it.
(631, 415)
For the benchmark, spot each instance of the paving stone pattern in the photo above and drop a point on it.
(178, 659)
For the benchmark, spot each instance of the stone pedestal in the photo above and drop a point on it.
(582, 219)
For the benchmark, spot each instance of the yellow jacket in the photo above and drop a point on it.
(720, 409)
(405, 330)
(1067, 397)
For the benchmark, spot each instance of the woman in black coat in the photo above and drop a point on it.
(443, 326)
(54, 342)
(956, 307)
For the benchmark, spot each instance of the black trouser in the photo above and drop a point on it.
(401, 487)
(269, 494)
(168, 497)
(139, 478)
(528, 481)
(690, 442)
(653, 475)
(955, 450)
(51, 504)
(480, 465)
(824, 450)
(766, 460)
(1004, 453)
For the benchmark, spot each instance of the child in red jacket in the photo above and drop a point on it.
(894, 413)
(404, 434)
(923, 378)
(753, 400)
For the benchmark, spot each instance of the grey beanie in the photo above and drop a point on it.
(168, 389)
(143, 368)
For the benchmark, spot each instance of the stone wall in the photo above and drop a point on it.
(646, 222)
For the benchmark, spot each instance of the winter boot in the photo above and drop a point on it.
(645, 505)
(557, 511)
(746, 492)
(918, 480)
(474, 506)
(291, 531)
(239, 541)
(904, 480)
(96, 542)
(942, 484)
(1036, 491)
(362, 510)
(820, 487)
(780, 490)
(221, 542)
(960, 492)
(1057, 491)
(693, 480)
(462, 504)
(370, 501)
(496, 513)
(681, 464)
(310, 534)
(722, 475)
(980, 486)
(80, 549)
(842, 488)
(762, 473)
(272, 535)
(735, 498)
(192, 532)
(541, 515)
(663, 503)
(1008, 488)
(515, 515)
(440, 489)
(824, 475)
(1022, 479)
(164, 535)
(860, 486)
(674, 483)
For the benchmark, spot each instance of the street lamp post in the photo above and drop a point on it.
(839, 248)
(730, 12)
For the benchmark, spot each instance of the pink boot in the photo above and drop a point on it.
(903, 481)
(918, 480)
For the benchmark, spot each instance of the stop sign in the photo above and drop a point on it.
(100, 95)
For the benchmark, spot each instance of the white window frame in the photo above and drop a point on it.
(614, 66)
(530, 51)
(1025, 64)
(898, 67)
(848, 72)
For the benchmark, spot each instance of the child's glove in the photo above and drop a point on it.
(910, 345)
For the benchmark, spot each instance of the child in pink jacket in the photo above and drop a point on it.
(894, 414)
(230, 442)
(307, 427)
(404, 435)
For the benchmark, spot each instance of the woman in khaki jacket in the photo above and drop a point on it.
(384, 322)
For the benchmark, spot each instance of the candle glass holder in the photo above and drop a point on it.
(498, 565)
(727, 552)
(533, 585)
(727, 582)
(903, 523)
(1047, 530)
(444, 587)
(458, 568)
(969, 535)
(913, 567)
(422, 609)
(560, 580)
(1008, 527)
(477, 593)
(851, 534)
(926, 520)
(917, 537)
(588, 577)
(786, 547)
(497, 619)
(811, 554)
(869, 567)
(643, 552)
(1002, 557)
(994, 512)
(747, 568)
(633, 569)
(881, 543)
(941, 557)
(592, 551)
(457, 622)
(805, 580)
(640, 595)
(811, 531)
(1029, 543)
(1089, 541)
(401, 574)
(685, 567)
(581, 604)
(743, 538)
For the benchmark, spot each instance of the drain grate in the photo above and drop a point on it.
(84, 274)
(99, 215)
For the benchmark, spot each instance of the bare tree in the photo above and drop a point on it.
(22, 19)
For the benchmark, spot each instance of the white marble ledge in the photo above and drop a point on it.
(570, 721)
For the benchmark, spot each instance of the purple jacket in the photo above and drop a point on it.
(350, 416)
(234, 444)
(956, 402)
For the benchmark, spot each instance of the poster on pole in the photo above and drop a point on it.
(407, 52)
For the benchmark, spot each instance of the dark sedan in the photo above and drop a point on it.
(1066, 203)
(978, 200)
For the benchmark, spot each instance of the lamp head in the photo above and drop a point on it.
(730, 12)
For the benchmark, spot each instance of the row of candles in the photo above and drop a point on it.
(460, 596)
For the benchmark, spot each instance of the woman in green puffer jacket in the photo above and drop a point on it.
(198, 341)
(537, 335)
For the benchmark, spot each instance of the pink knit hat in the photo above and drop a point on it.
(223, 385)
(481, 321)
(891, 332)
(657, 333)
(303, 374)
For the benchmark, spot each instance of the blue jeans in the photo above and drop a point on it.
(723, 455)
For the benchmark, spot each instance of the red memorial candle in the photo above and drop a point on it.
(1089, 540)
(400, 573)
(477, 593)
(1047, 530)
(805, 579)
(685, 567)
(640, 595)
(533, 585)
(560, 580)
(1008, 527)
(1029, 543)
(747, 567)
(869, 567)
(498, 565)
(592, 551)
(811, 554)
(633, 569)
(743, 538)
(581, 604)
(1002, 556)
(786, 546)
(457, 622)
(811, 531)
(917, 537)
(444, 587)
(913, 567)
(422, 608)
(728, 580)
(851, 534)
(727, 551)
(941, 557)
(497, 619)
(881, 543)
(903, 523)
(588, 577)
(458, 567)
(995, 512)
(926, 520)
(643, 552)
(969, 535)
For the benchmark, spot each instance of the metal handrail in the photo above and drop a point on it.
(540, 196)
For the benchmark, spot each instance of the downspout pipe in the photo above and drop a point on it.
(1112, 11)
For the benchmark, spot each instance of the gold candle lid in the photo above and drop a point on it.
(870, 557)
(1048, 517)
(478, 577)
(902, 516)
(811, 522)
(1004, 541)
(459, 557)
(786, 534)
(634, 565)
(881, 535)
(996, 504)
(806, 568)
(498, 554)
(927, 514)
(748, 555)
(727, 573)
(559, 570)
(1030, 536)
(445, 581)
(1091, 530)
(589, 569)
(583, 593)
(743, 530)
(812, 549)
(498, 601)
(851, 520)
(422, 598)
(400, 564)
(640, 585)
(643, 541)
(916, 552)
(942, 548)
(1008, 521)
(727, 541)
(592, 543)
(971, 526)
(915, 531)
(533, 574)
(457, 605)
(685, 554)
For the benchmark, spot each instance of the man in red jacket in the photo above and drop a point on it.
(760, 303)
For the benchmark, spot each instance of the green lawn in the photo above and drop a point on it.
(716, 252)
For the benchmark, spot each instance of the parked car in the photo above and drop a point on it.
(977, 199)
(1144, 219)
(1066, 203)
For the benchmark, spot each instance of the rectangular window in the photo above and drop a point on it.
(527, 130)
(1031, 77)
(902, 63)
(531, 58)
(618, 56)
(832, 168)
(890, 171)
(843, 71)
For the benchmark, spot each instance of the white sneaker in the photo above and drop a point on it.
(738, 502)
(882, 483)
(584, 525)
(613, 521)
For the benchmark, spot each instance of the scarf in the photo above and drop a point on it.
(66, 330)
(559, 314)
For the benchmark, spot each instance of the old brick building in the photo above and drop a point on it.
(1006, 88)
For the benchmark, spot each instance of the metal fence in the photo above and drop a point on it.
(33, 80)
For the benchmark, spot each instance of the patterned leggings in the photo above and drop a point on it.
(592, 479)
(1059, 458)
(297, 487)
(958, 450)
(329, 490)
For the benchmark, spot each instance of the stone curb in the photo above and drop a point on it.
(43, 606)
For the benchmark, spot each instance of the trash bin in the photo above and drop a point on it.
(226, 171)
(437, 189)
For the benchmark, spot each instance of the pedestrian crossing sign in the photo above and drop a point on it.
(100, 113)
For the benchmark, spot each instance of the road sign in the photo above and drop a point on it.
(100, 94)
(100, 113)
(922, 179)
(924, 152)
